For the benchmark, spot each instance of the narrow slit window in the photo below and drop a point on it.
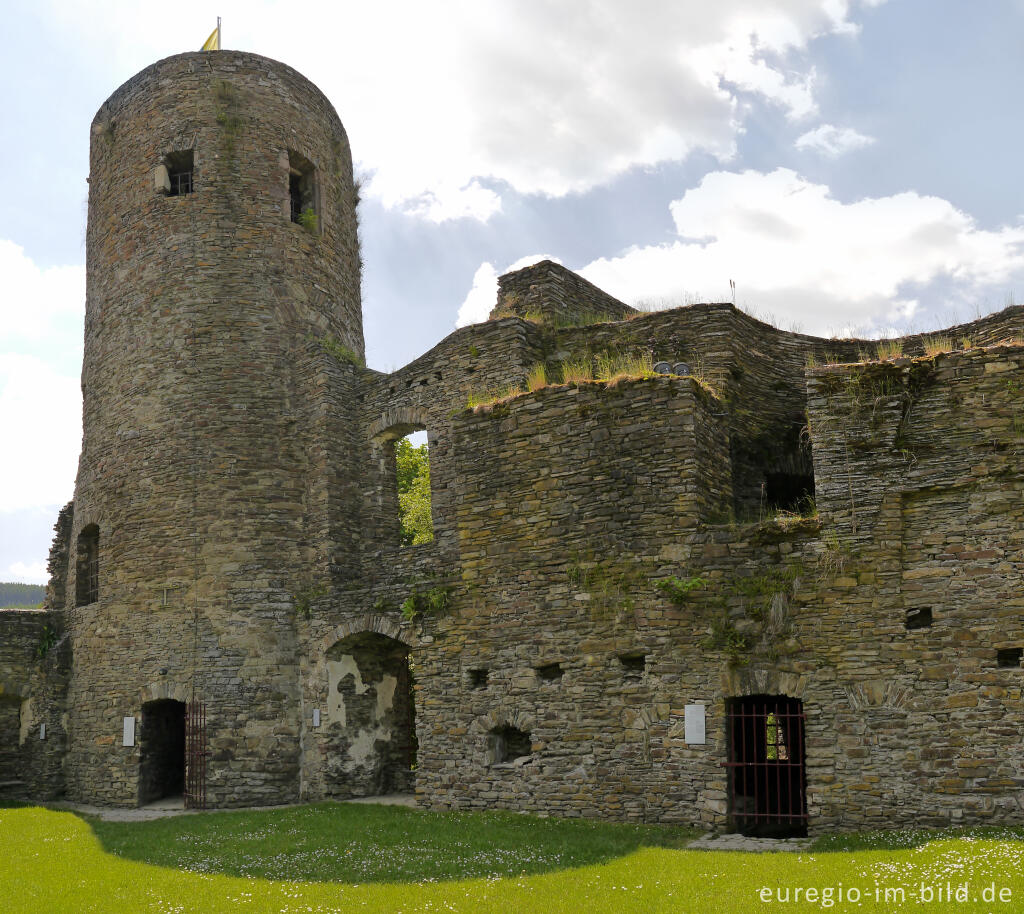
(87, 566)
(180, 170)
(302, 191)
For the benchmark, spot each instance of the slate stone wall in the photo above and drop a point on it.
(604, 553)
(549, 292)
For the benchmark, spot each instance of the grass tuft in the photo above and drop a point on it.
(537, 377)
(575, 371)
(936, 345)
(889, 349)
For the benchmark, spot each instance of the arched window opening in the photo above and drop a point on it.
(412, 473)
(87, 566)
(508, 743)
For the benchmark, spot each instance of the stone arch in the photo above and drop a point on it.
(13, 688)
(501, 717)
(369, 622)
(397, 422)
(164, 689)
(739, 682)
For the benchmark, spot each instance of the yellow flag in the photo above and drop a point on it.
(213, 42)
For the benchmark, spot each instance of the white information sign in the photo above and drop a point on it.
(316, 717)
(694, 725)
(129, 732)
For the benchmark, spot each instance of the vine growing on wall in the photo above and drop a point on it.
(226, 106)
(432, 602)
(47, 639)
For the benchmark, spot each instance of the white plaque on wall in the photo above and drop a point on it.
(42, 731)
(129, 732)
(316, 717)
(694, 725)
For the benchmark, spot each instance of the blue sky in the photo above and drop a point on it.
(852, 166)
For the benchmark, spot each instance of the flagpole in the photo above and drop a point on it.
(220, 35)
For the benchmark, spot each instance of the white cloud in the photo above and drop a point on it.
(442, 105)
(29, 573)
(483, 294)
(802, 256)
(42, 410)
(41, 313)
(38, 302)
(833, 141)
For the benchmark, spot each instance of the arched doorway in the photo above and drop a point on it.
(162, 750)
(767, 766)
(370, 725)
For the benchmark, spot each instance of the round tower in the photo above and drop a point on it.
(223, 263)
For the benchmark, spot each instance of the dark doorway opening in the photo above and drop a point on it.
(11, 770)
(162, 750)
(767, 770)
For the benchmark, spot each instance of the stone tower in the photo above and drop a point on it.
(223, 268)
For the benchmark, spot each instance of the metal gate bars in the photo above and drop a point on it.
(767, 776)
(195, 755)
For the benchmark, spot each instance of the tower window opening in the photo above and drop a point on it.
(87, 566)
(180, 168)
(412, 470)
(302, 190)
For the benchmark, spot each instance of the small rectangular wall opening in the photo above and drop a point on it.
(1009, 656)
(302, 191)
(633, 665)
(477, 679)
(920, 617)
(180, 169)
(549, 672)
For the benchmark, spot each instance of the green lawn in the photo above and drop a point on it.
(366, 858)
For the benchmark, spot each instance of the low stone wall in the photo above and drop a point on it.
(35, 662)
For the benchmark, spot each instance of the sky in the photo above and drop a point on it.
(853, 166)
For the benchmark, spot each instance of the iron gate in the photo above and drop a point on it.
(767, 776)
(195, 755)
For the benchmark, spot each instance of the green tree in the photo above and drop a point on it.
(413, 466)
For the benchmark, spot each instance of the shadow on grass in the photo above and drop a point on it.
(356, 843)
(6, 803)
(902, 839)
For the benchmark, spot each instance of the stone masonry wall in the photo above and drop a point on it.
(34, 666)
(549, 292)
